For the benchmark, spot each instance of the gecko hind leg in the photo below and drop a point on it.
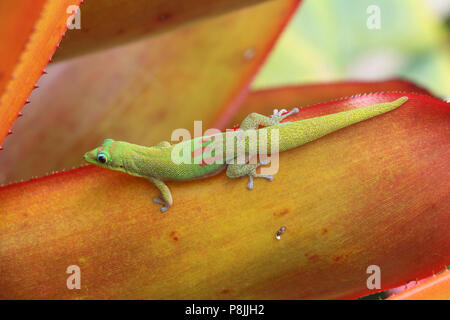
(251, 176)
(241, 170)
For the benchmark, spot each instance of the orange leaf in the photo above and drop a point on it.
(435, 288)
(16, 25)
(20, 74)
(142, 91)
(373, 193)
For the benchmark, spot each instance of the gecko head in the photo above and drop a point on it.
(106, 155)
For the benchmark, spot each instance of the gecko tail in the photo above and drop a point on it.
(300, 132)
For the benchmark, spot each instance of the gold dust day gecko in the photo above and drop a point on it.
(157, 163)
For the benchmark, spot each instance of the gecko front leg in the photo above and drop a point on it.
(165, 198)
(254, 120)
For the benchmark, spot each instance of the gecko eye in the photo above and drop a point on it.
(101, 158)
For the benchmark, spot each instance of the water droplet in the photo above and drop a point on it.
(280, 232)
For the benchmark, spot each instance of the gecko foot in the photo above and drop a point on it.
(161, 202)
(250, 183)
(254, 175)
(283, 113)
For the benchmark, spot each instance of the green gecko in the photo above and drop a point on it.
(157, 165)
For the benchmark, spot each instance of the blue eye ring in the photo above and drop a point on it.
(107, 140)
(101, 157)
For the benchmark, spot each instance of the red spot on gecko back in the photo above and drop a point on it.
(203, 149)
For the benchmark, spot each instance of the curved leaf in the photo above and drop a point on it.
(142, 91)
(354, 198)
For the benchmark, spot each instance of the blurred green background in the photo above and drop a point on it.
(328, 40)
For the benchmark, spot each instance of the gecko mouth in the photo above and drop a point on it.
(88, 158)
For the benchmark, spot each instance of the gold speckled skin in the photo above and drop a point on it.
(157, 164)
